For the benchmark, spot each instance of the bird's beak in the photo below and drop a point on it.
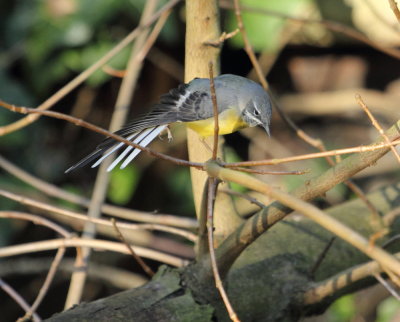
(266, 127)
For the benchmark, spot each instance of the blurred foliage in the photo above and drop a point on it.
(388, 310)
(342, 310)
(265, 34)
(123, 183)
(180, 190)
(65, 37)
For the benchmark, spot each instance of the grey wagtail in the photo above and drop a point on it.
(241, 103)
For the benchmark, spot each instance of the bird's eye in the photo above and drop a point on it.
(256, 112)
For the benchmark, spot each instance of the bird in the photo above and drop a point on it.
(241, 103)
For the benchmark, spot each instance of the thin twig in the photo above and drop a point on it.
(140, 261)
(113, 72)
(359, 149)
(341, 280)
(45, 287)
(18, 299)
(96, 244)
(376, 124)
(395, 9)
(71, 214)
(115, 211)
(215, 111)
(276, 173)
(242, 195)
(212, 188)
(151, 39)
(247, 46)
(387, 286)
(107, 273)
(79, 122)
(322, 256)
(36, 220)
(224, 36)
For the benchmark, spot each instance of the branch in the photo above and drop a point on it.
(93, 243)
(249, 231)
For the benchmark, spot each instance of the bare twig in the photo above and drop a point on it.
(212, 188)
(339, 281)
(243, 195)
(45, 287)
(395, 9)
(107, 274)
(322, 256)
(79, 122)
(36, 220)
(359, 149)
(18, 299)
(83, 218)
(387, 286)
(276, 173)
(376, 124)
(224, 36)
(141, 55)
(99, 244)
(247, 46)
(113, 72)
(215, 111)
(115, 211)
(140, 261)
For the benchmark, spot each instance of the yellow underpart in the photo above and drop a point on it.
(229, 121)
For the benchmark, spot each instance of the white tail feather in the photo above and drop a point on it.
(137, 140)
(111, 150)
(150, 137)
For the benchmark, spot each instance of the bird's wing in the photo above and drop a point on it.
(178, 105)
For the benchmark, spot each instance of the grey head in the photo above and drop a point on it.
(257, 108)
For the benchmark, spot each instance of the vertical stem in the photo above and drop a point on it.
(202, 26)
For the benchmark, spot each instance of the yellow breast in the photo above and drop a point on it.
(229, 121)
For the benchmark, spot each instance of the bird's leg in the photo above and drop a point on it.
(169, 134)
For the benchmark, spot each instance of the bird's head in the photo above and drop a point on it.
(258, 110)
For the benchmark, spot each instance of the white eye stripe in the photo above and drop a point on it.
(256, 109)
(251, 116)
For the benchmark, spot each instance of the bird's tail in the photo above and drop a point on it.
(109, 146)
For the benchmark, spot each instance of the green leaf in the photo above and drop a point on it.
(123, 184)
